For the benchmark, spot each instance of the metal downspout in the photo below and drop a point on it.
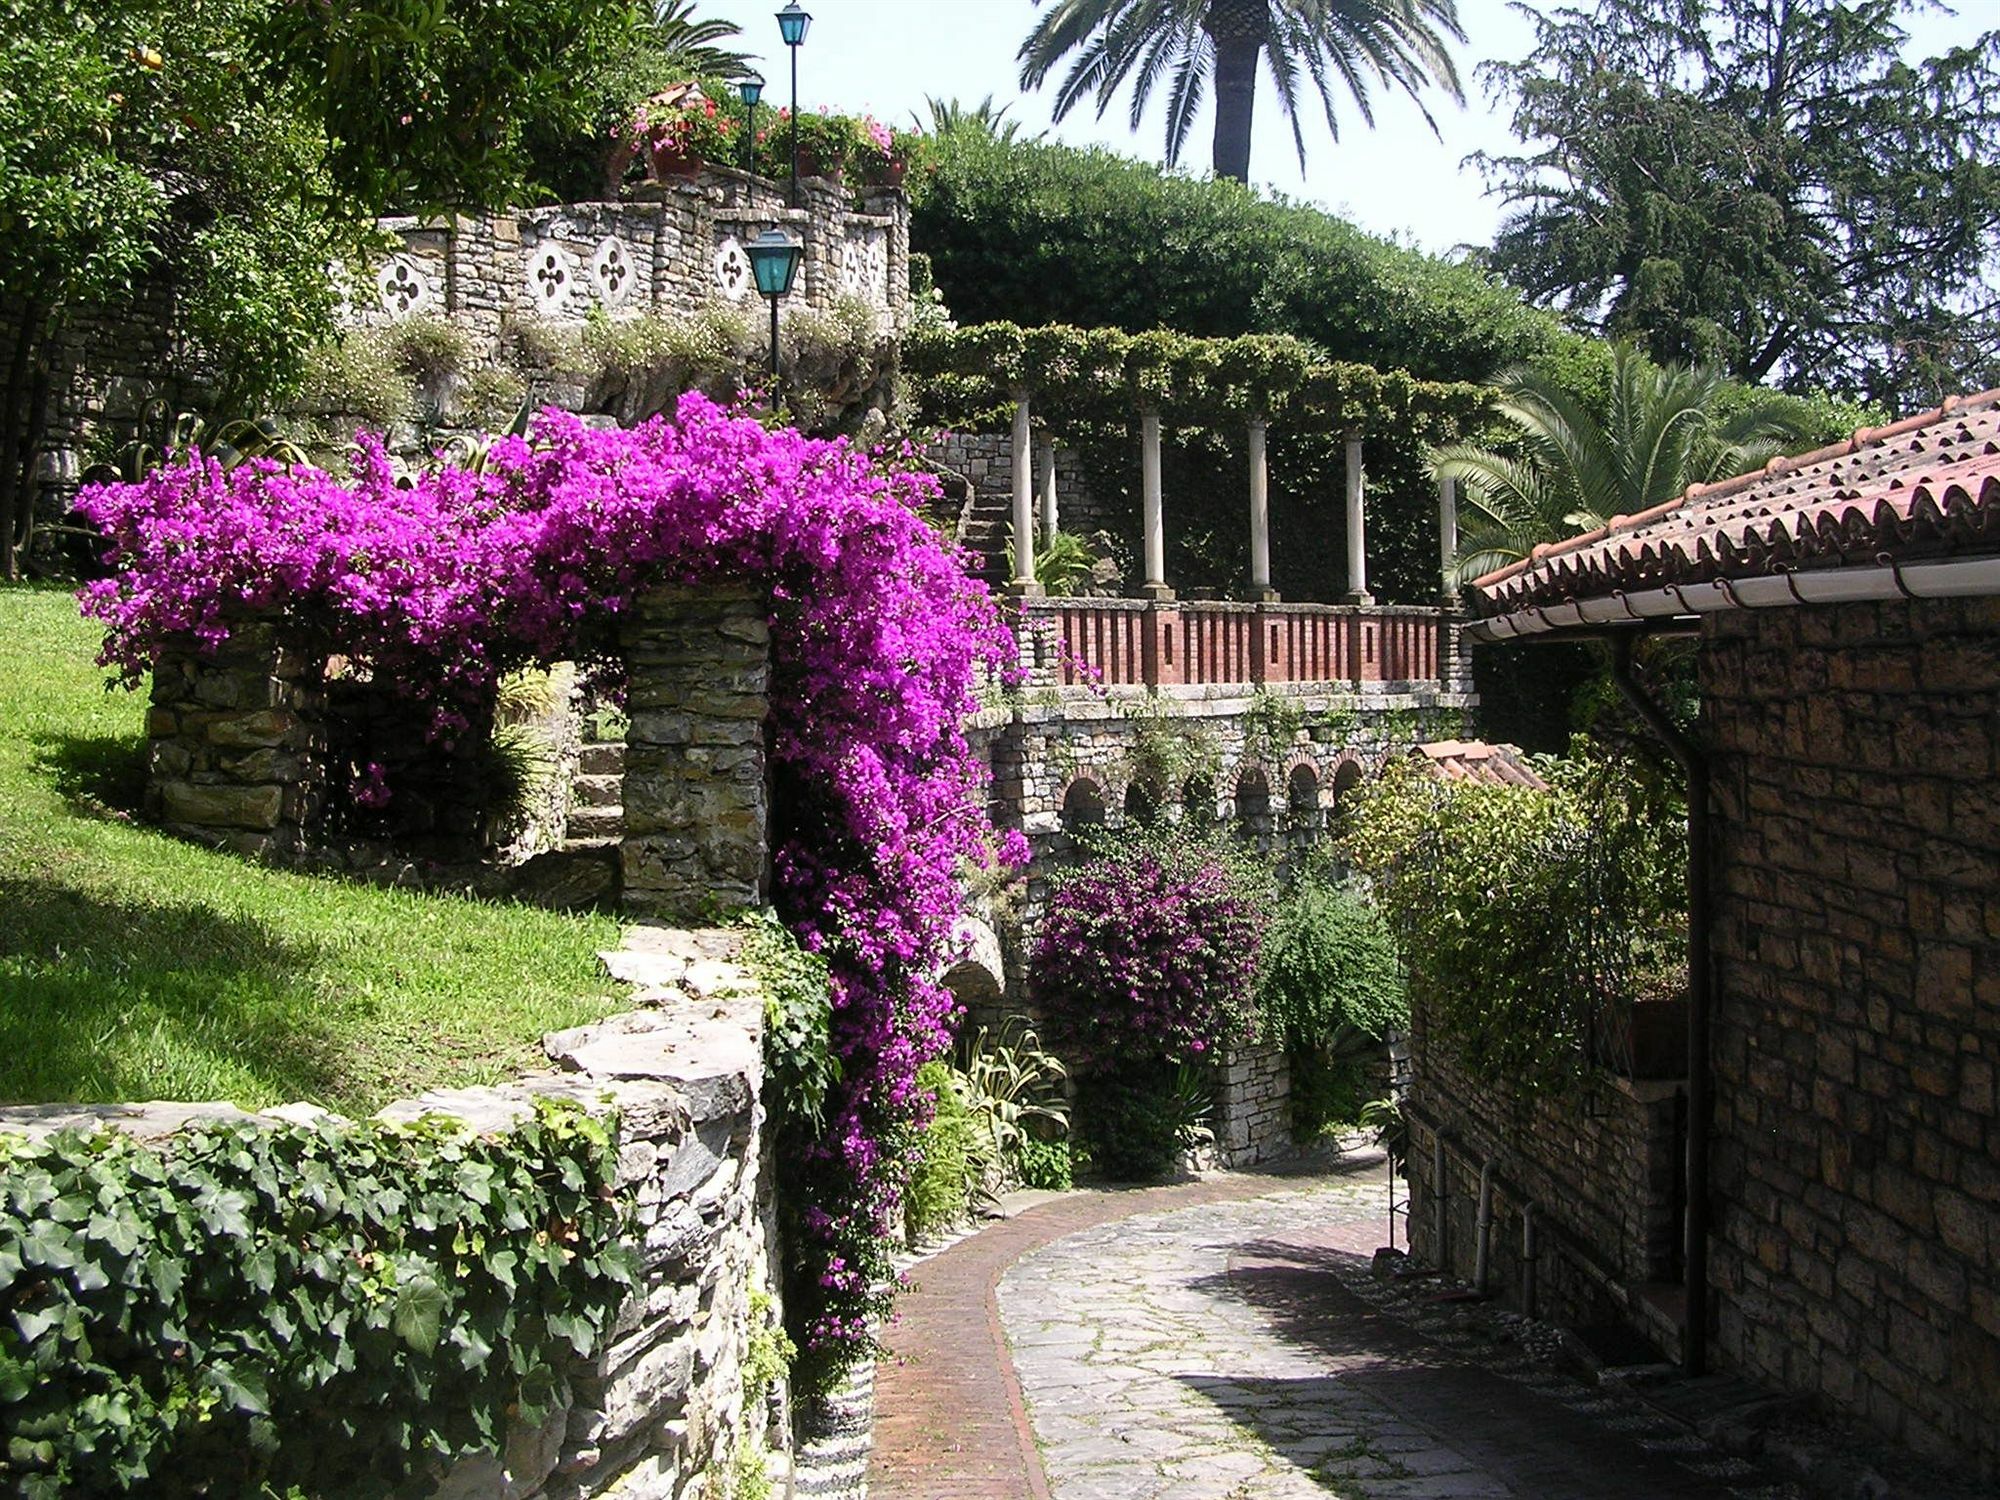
(1694, 1337)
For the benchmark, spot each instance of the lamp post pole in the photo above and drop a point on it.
(750, 89)
(774, 266)
(792, 23)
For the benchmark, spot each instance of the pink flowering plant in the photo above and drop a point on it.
(879, 639)
(1148, 954)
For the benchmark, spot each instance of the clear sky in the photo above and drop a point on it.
(885, 56)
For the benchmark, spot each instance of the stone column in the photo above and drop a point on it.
(1155, 586)
(238, 745)
(1260, 518)
(1045, 488)
(1023, 582)
(697, 799)
(1447, 536)
(1357, 541)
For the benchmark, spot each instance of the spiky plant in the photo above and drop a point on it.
(1570, 470)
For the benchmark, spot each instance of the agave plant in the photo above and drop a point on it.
(229, 443)
(1014, 1087)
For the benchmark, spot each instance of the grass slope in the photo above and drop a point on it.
(133, 966)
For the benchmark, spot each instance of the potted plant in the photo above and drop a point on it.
(674, 132)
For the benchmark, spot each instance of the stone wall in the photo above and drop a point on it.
(1253, 1112)
(697, 802)
(1856, 1164)
(236, 750)
(658, 1414)
(671, 250)
(1601, 1167)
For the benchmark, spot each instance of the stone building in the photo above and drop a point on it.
(1841, 1231)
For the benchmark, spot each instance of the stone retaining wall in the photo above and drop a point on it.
(1856, 1167)
(657, 1414)
(1600, 1165)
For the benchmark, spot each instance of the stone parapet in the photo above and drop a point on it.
(697, 798)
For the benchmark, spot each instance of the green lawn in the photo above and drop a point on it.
(133, 966)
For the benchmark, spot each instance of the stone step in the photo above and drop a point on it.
(605, 759)
(596, 822)
(595, 790)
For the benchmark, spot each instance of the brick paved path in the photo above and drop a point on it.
(1224, 1341)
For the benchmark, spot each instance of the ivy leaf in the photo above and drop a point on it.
(418, 1319)
(48, 1244)
(242, 1386)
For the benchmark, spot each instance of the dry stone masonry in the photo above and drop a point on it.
(1856, 1161)
(658, 1412)
(697, 802)
(237, 743)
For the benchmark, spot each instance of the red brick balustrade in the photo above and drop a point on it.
(1118, 643)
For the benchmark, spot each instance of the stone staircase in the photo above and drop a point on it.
(596, 813)
(986, 528)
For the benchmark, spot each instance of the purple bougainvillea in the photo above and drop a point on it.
(879, 638)
(1147, 954)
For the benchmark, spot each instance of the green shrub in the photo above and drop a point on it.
(1139, 1118)
(356, 379)
(1330, 970)
(1045, 1164)
(1524, 915)
(426, 349)
(344, 1308)
(953, 1154)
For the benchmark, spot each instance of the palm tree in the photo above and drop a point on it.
(1354, 44)
(948, 115)
(1570, 470)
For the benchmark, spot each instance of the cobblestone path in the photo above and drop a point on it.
(1242, 1351)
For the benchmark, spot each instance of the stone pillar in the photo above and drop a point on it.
(1357, 541)
(697, 799)
(1045, 489)
(238, 747)
(1260, 518)
(1253, 1105)
(1155, 586)
(1163, 646)
(1023, 582)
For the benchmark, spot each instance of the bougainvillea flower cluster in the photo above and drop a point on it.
(879, 639)
(1147, 953)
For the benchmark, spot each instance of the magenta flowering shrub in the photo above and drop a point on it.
(879, 638)
(1147, 955)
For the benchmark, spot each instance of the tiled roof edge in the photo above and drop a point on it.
(1863, 437)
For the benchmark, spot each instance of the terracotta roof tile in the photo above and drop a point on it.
(1924, 488)
(1475, 760)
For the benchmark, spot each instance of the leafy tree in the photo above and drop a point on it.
(1763, 184)
(218, 158)
(1572, 468)
(1351, 47)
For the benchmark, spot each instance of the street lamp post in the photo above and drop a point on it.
(774, 265)
(750, 88)
(792, 24)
